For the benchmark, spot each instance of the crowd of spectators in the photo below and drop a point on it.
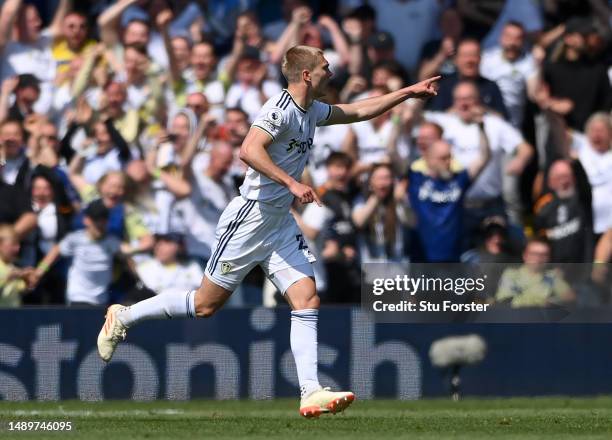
(121, 122)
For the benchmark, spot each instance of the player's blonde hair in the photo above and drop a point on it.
(297, 59)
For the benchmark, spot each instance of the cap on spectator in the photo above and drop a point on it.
(26, 80)
(580, 25)
(170, 236)
(381, 40)
(97, 211)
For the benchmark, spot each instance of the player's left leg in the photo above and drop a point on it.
(300, 292)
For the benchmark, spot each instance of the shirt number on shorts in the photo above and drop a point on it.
(301, 243)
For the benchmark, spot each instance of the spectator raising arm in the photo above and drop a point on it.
(338, 41)
(8, 14)
(109, 22)
(290, 36)
(55, 28)
(175, 182)
(484, 157)
(354, 31)
(8, 87)
(432, 66)
(163, 20)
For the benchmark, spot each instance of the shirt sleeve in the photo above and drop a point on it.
(272, 120)
(66, 246)
(322, 112)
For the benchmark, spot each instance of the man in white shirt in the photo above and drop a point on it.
(510, 66)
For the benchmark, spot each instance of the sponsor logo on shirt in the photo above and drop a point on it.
(449, 195)
(300, 146)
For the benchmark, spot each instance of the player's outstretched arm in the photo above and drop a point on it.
(253, 153)
(372, 107)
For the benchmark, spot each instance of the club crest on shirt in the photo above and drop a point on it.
(225, 267)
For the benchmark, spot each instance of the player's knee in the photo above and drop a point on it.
(205, 311)
(203, 306)
(306, 302)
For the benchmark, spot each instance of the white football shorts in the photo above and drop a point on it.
(251, 233)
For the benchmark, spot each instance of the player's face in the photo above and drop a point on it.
(320, 77)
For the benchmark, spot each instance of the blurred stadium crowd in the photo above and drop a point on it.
(120, 125)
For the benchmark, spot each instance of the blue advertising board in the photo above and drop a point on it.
(50, 354)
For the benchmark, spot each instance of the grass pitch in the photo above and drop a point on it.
(541, 418)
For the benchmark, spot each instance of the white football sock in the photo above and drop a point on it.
(304, 348)
(164, 306)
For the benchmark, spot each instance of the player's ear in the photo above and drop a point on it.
(306, 75)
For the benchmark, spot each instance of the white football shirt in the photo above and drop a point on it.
(292, 129)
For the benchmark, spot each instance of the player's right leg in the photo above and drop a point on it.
(201, 303)
(231, 264)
